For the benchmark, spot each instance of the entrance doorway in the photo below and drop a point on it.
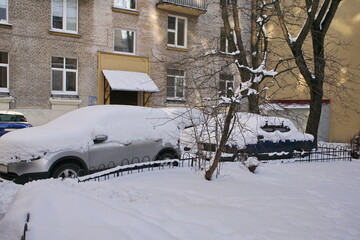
(124, 98)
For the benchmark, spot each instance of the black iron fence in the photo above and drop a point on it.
(23, 237)
(324, 152)
(138, 165)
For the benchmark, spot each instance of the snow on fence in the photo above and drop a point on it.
(128, 167)
(23, 237)
(325, 152)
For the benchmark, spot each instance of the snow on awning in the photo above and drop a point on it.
(130, 81)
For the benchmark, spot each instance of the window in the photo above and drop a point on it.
(3, 11)
(175, 84)
(4, 72)
(226, 85)
(64, 15)
(177, 32)
(64, 75)
(124, 41)
(224, 44)
(128, 4)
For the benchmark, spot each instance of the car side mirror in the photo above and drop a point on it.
(260, 137)
(100, 138)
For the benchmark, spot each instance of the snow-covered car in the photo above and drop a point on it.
(185, 117)
(87, 140)
(10, 121)
(263, 137)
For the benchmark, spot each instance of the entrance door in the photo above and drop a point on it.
(124, 98)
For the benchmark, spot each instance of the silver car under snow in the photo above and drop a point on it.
(87, 140)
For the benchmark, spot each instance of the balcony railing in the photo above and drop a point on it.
(192, 7)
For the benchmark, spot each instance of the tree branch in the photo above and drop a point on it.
(309, 21)
(330, 15)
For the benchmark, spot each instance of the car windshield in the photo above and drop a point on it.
(12, 118)
(273, 128)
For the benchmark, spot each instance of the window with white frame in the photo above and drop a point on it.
(226, 85)
(124, 41)
(4, 11)
(127, 4)
(64, 15)
(4, 72)
(177, 32)
(175, 84)
(224, 43)
(64, 75)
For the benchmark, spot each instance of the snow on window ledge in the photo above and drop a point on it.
(175, 101)
(64, 33)
(125, 10)
(5, 25)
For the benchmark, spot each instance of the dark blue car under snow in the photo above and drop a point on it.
(10, 121)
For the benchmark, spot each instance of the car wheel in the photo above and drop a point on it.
(67, 170)
(166, 156)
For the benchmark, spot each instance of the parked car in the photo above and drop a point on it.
(10, 121)
(87, 140)
(184, 117)
(252, 135)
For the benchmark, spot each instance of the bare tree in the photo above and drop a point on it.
(251, 64)
(318, 16)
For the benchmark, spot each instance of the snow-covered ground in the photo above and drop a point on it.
(281, 201)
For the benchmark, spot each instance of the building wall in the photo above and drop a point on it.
(31, 44)
(340, 115)
(345, 109)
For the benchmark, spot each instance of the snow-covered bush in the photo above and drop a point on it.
(252, 163)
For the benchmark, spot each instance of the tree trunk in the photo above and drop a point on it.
(254, 103)
(316, 83)
(224, 137)
(314, 114)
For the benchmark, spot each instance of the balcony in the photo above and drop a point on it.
(189, 7)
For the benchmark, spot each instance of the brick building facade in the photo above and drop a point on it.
(54, 52)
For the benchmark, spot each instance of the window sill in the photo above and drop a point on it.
(124, 53)
(6, 99)
(5, 25)
(175, 100)
(177, 49)
(4, 91)
(64, 104)
(125, 10)
(65, 34)
(5, 102)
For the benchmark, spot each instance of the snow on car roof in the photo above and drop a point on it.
(11, 112)
(184, 117)
(76, 130)
(247, 128)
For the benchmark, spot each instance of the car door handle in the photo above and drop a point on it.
(157, 140)
(127, 144)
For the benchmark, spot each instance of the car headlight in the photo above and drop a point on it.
(31, 159)
(3, 168)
